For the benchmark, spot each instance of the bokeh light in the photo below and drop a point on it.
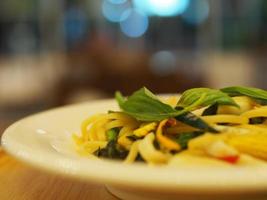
(75, 25)
(134, 23)
(163, 63)
(113, 11)
(117, 1)
(164, 8)
(197, 12)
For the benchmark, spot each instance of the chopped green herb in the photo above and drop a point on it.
(112, 150)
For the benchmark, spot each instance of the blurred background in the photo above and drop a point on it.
(67, 51)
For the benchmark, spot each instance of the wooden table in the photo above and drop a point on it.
(21, 182)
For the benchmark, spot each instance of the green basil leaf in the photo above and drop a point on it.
(255, 93)
(145, 106)
(120, 99)
(211, 110)
(200, 97)
(195, 121)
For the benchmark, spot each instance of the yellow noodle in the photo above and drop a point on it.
(122, 138)
(180, 129)
(257, 112)
(101, 133)
(148, 151)
(254, 128)
(94, 136)
(104, 117)
(100, 123)
(78, 140)
(144, 130)
(233, 119)
(245, 104)
(125, 130)
(164, 141)
(94, 132)
(90, 135)
(132, 153)
(88, 121)
(125, 141)
(115, 124)
(92, 146)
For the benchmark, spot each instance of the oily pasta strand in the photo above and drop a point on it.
(93, 130)
(156, 142)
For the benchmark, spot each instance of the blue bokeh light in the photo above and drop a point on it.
(163, 63)
(113, 12)
(164, 8)
(134, 23)
(197, 12)
(117, 1)
(75, 25)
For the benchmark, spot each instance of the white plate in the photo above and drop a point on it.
(43, 140)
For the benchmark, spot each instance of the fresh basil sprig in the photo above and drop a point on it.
(200, 97)
(255, 93)
(145, 106)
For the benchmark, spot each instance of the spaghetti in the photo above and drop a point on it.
(240, 129)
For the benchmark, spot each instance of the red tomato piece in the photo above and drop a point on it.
(230, 159)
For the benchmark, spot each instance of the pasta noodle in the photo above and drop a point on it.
(225, 135)
(148, 151)
(213, 119)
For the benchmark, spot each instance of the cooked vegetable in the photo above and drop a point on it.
(218, 125)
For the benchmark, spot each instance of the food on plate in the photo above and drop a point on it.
(227, 126)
